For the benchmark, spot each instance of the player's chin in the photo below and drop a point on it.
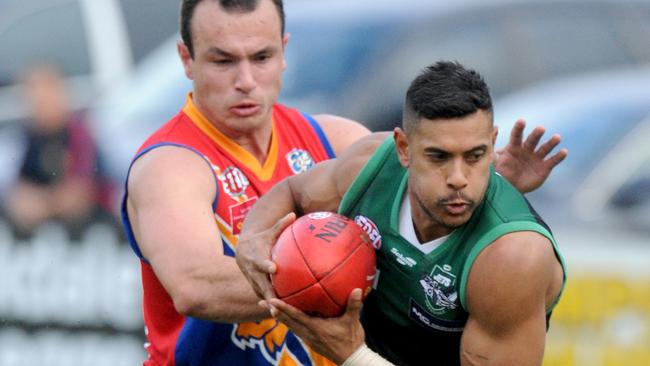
(454, 221)
(248, 124)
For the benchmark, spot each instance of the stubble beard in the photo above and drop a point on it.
(438, 216)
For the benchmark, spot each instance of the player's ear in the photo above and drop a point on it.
(402, 146)
(186, 58)
(285, 41)
(494, 156)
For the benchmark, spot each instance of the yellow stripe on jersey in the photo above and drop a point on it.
(262, 172)
(226, 233)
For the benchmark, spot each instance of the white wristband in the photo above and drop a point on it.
(364, 356)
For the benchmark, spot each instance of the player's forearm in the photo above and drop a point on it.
(201, 280)
(275, 204)
(223, 295)
(232, 306)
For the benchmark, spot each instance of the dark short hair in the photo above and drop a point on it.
(445, 90)
(245, 6)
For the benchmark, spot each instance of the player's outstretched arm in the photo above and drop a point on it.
(524, 164)
(319, 189)
(510, 286)
(171, 191)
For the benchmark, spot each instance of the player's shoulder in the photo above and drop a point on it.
(519, 251)
(367, 145)
(169, 165)
(360, 152)
(341, 132)
(516, 262)
(334, 122)
(345, 168)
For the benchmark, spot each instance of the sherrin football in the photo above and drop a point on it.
(320, 259)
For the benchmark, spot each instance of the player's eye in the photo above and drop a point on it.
(262, 57)
(437, 156)
(475, 156)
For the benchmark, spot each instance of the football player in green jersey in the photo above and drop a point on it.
(468, 273)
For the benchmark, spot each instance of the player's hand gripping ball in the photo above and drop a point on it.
(320, 259)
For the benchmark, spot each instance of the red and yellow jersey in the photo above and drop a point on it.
(297, 143)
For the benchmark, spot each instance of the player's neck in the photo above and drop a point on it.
(426, 228)
(257, 143)
(254, 135)
(256, 140)
(427, 231)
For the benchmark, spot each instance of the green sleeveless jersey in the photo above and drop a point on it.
(418, 306)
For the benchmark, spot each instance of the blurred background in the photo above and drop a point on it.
(82, 83)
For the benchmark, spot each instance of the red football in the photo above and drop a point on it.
(320, 259)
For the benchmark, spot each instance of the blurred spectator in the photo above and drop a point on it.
(59, 177)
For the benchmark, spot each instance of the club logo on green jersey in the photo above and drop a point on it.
(440, 289)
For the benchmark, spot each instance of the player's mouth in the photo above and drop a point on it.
(457, 207)
(245, 109)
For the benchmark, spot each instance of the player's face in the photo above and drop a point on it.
(237, 65)
(448, 162)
